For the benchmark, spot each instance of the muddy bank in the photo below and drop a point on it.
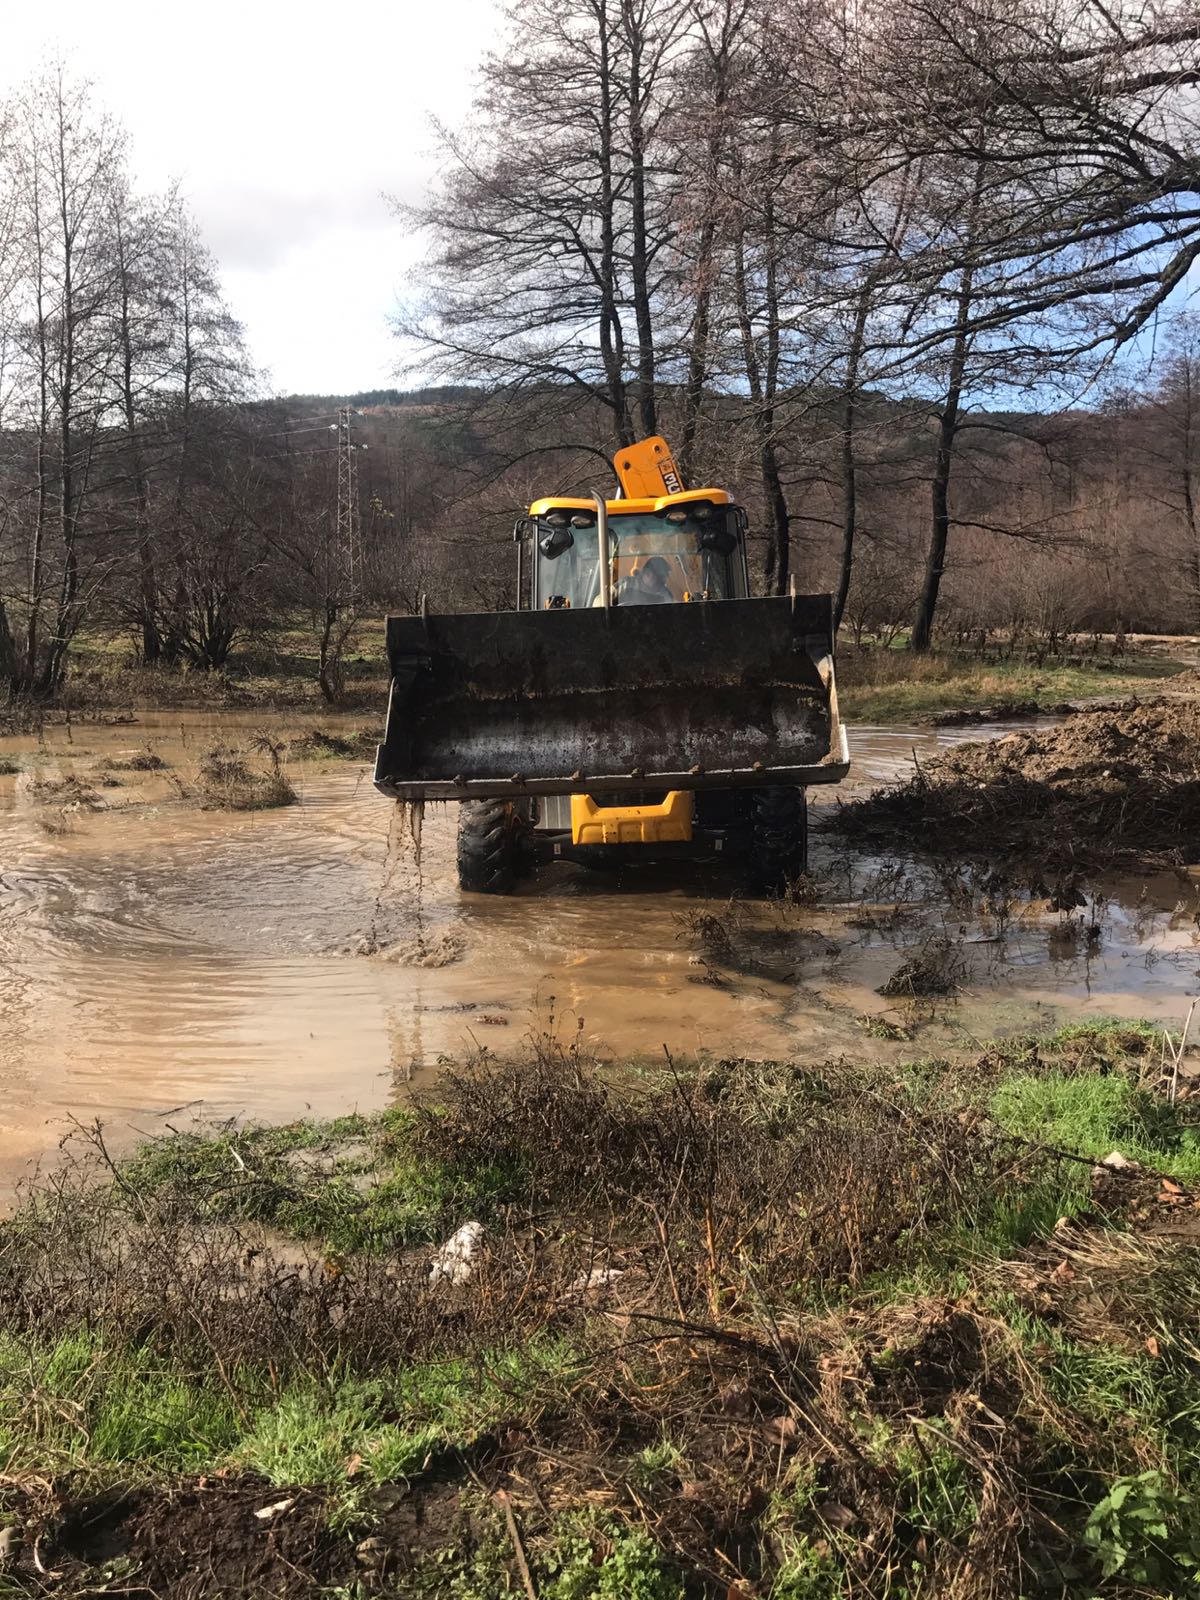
(1002, 711)
(1120, 785)
(758, 1330)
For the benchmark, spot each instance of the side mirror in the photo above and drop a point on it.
(719, 540)
(555, 542)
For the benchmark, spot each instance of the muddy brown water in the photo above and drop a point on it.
(159, 962)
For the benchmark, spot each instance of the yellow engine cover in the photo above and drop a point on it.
(669, 822)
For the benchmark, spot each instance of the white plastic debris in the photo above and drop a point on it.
(453, 1261)
(597, 1278)
(274, 1510)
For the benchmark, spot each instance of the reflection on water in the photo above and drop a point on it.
(155, 957)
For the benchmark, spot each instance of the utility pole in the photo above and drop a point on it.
(348, 552)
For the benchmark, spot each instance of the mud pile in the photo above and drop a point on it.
(1121, 784)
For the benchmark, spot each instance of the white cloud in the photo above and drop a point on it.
(285, 125)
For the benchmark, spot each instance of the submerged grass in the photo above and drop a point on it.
(744, 1330)
(147, 759)
(348, 744)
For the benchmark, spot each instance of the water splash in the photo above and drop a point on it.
(402, 879)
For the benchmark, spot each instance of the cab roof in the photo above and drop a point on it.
(616, 508)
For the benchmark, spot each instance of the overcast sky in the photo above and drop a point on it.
(284, 124)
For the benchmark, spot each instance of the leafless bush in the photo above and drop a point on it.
(65, 791)
(228, 780)
(937, 967)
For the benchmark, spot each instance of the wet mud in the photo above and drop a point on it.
(1105, 786)
(160, 961)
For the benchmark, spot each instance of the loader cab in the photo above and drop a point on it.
(686, 548)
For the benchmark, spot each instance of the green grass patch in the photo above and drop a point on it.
(85, 1405)
(591, 1558)
(1107, 1385)
(1092, 1115)
(369, 1185)
(896, 686)
(1030, 1208)
(81, 1403)
(582, 1555)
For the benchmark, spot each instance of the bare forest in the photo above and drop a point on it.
(911, 279)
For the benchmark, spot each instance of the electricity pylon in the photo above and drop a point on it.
(348, 553)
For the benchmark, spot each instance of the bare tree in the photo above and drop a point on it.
(550, 224)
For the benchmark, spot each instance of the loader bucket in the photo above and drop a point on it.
(718, 694)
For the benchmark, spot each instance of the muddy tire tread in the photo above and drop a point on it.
(778, 837)
(489, 847)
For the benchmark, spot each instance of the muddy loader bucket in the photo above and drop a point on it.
(713, 695)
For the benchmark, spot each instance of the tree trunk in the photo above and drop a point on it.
(851, 400)
(148, 606)
(701, 329)
(779, 551)
(52, 672)
(693, 393)
(948, 423)
(762, 378)
(611, 336)
(849, 460)
(939, 536)
(639, 244)
(1189, 496)
(37, 552)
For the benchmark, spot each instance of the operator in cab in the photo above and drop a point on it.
(647, 586)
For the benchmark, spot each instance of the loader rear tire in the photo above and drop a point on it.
(778, 838)
(491, 837)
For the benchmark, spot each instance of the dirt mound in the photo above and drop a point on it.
(204, 1538)
(1118, 785)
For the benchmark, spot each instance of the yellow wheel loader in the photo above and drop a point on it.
(640, 706)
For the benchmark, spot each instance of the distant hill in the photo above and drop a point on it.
(442, 394)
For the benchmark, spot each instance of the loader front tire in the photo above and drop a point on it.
(778, 838)
(490, 846)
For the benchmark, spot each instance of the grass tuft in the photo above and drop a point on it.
(231, 780)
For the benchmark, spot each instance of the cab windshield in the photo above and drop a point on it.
(654, 562)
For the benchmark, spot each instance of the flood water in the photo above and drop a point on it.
(159, 961)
